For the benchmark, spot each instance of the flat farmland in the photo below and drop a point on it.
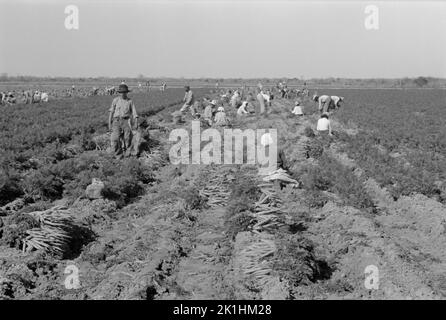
(370, 198)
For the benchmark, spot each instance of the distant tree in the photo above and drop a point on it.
(421, 81)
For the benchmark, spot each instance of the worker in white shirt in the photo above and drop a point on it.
(297, 109)
(242, 109)
(324, 125)
(336, 101)
(261, 100)
(235, 99)
(324, 101)
(267, 98)
(220, 117)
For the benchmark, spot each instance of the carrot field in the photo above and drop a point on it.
(374, 194)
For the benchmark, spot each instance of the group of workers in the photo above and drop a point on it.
(28, 96)
(123, 117)
(212, 113)
(7, 98)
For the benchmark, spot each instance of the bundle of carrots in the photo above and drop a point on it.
(53, 235)
(267, 209)
(216, 189)
(252, 259)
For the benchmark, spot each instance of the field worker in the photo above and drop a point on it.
(271, 94)
(188, 99)
(235, 99)
(122, 112)
(250, 108)
(3, 96)
(266, 140)
(110, 91)
(195, 109)
(242, 109)
(10, 99)
(266, 97)
(226, 97)
(261, 101)
(336, 101)
(36, 97)
(324, 125)
(324, 102)
(297, 109)
(220, 117)
(44, 97)
(28, 96)
(209, 112)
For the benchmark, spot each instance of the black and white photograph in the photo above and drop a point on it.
(235, 153)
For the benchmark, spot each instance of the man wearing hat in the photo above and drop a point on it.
(209, 112)
(188, 99)
(122, 112)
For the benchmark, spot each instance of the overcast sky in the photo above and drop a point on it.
(223, 39)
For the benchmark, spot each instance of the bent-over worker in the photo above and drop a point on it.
(324, 102)
(242, 109)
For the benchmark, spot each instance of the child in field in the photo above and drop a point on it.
(122, 114)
